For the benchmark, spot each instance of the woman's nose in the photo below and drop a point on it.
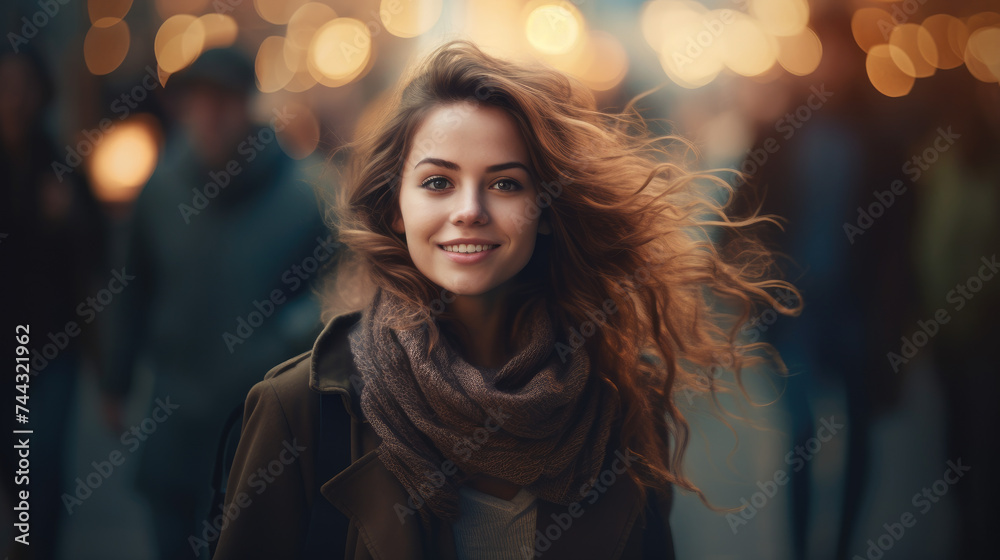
(470, 208)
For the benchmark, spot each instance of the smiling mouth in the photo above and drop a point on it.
(467, 248)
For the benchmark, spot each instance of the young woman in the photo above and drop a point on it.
(539, 287)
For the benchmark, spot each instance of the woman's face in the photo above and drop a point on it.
(467, 199)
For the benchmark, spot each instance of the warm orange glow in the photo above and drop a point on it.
(496, 28)
(339, 52)
(409, 18)
(781, 17)
(272, 73)
(871, 26)
(105, 13)
(800, 54)
(301, 28)
(123, 161)
(277, 11)
(981, 20)
(689, 53)
(170, 8)
(301, 81)
(178, 42)
(653, 21)
(982, 54)
(104, 48)
(958, 37)
(885, 73)
(305, 21)
(600, 62)
(606, 64)
(750, 51)
(937, 27)
(554, 27)
(907, 39)
(220, 30)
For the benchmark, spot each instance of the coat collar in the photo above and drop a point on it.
(331, 368)
(371, 495)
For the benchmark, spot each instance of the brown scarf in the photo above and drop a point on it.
(536, 421)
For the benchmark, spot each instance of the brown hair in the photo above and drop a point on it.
(630, 250)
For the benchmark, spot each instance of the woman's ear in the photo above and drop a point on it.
(543, 226)
(397, 224)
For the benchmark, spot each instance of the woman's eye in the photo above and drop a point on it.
(435, 184)
(507, 185)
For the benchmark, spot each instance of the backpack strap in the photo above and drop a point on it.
(327, 534)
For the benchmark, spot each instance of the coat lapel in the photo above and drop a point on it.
(371, 497)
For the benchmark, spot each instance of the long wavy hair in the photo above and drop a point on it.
(629, 225)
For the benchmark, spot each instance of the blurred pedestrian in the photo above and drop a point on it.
(53, 251)
(226, 239)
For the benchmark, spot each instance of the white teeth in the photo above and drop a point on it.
(468, 248)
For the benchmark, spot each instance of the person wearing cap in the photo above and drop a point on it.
(225, 241)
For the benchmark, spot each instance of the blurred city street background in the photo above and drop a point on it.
(165, 167)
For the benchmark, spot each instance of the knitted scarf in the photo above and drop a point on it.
(537, 421)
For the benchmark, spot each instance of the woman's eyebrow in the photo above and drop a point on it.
(455, 167)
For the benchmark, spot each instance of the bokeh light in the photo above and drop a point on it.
(750, 51)
(302, 27)
(800, 54)
(169, 8)
(104, 48)
(272, 72)
(885, 73)
(871, 26)
(917, 44)
(554, 28)
(605, 62)
(277, 11)
(496, 28)
(982, 54)
(105, 13)
(220, 30)
(123, 161)
(937, 27)
(409, 19)
(178, 42)
(339, 52)
(781, 17)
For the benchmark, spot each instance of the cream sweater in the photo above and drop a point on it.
(490, 528)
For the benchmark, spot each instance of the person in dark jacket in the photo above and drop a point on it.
(536, 291)
(225, 242)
